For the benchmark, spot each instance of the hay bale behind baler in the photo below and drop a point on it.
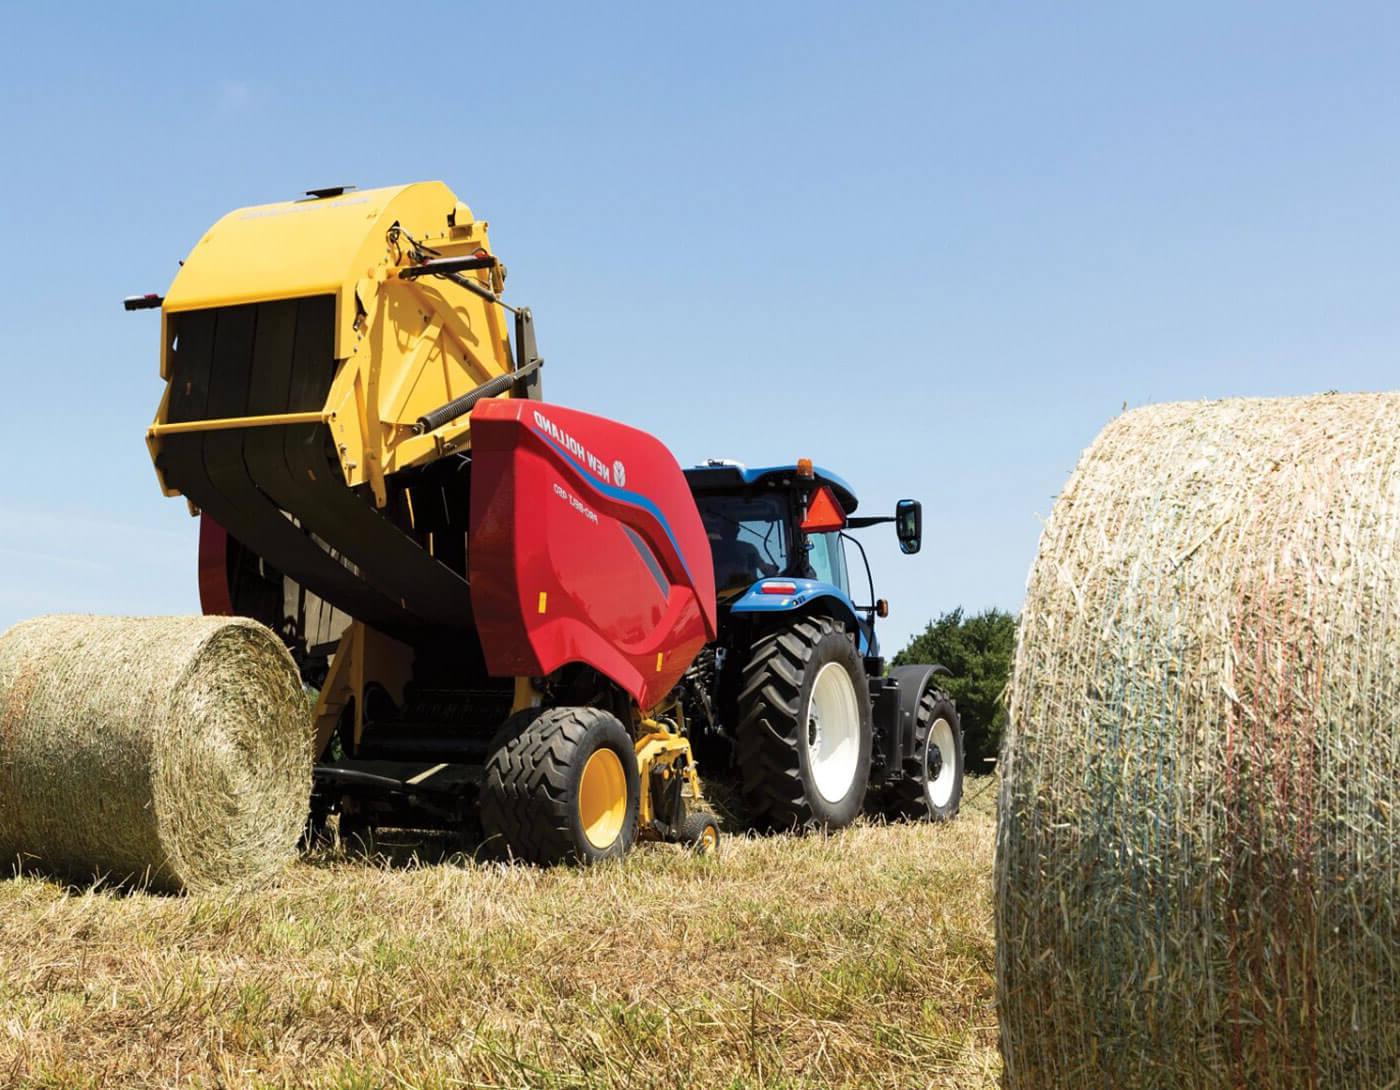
(1198, 867)
(172, 752)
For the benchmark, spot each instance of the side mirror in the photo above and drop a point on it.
(909, 524)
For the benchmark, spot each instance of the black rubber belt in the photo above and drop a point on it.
(278, 357)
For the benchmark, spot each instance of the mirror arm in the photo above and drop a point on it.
(862, 521)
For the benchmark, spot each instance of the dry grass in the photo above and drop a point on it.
(863, 959)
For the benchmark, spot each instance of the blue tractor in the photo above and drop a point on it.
(793, 699)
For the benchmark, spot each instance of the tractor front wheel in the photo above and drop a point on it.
(561, 784)
(932, 786)
(804, 736)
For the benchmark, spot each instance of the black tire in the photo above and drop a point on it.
(700, 833)
(920, 795)
(780, 791)
(530, 798)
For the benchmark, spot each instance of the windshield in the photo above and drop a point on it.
(748, 537)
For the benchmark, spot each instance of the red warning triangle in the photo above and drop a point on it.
(823, 513)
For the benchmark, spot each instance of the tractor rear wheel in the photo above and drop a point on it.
(932, 785)
(804, 735)
(561, 784)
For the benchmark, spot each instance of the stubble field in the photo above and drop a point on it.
(860, 959)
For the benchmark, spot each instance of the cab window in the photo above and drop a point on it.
(827, 556)
(748, 537)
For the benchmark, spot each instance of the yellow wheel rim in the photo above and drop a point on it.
(602, 798)
(709, 841)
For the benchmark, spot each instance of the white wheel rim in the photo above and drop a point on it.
(940, 738)
(833, 732)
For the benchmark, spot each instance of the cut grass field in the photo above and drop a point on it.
(861, 959)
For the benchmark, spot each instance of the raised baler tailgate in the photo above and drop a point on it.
(585, 546)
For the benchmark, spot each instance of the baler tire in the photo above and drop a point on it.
(530, 797)
(700, 833)
(912, 797)
(777, 782)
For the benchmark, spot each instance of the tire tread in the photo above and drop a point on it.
(906, 798)
(768, 734)
(525, 797)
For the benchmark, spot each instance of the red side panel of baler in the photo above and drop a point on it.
(215, 596)
(585, 546)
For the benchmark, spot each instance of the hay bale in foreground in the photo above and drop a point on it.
(170, 751)
(1198, 850)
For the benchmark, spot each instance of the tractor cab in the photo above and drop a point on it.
(778, 537)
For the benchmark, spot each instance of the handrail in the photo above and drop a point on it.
(230, 423)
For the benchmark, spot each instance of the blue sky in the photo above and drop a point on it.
(933, 246)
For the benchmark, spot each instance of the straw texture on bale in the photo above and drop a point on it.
(1198, 848)
(171, 752)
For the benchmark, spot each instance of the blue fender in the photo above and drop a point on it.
(809, 596)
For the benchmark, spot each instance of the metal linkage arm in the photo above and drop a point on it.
(460, 406)
(442, 266)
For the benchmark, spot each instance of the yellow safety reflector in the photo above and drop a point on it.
(544, 600)
(660, 655)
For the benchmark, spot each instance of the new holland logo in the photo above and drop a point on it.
(617, 473)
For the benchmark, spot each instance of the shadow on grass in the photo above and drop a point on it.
(398, 849)
(79, 881)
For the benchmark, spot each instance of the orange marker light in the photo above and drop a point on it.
(804, 467)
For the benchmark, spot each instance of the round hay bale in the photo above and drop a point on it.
(170, 752)
(1198, 846)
